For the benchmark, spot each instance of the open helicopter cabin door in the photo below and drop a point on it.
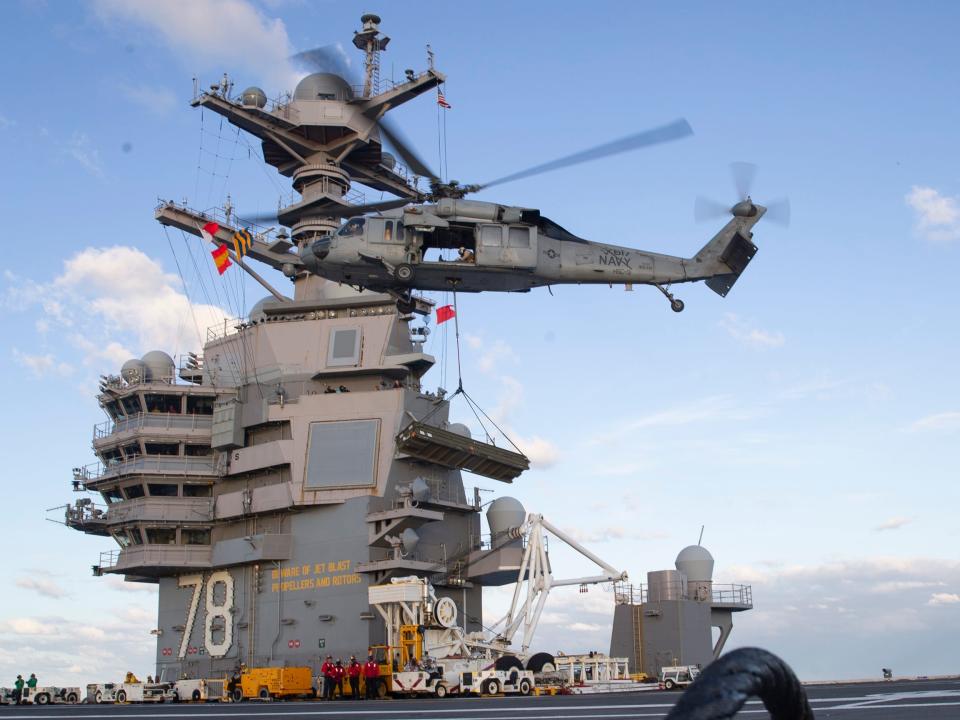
(500, 245)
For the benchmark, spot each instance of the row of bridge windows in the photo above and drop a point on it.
(139, 490)
(172, 403)
(162, 536)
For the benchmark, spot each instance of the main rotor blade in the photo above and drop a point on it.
(743, 175)
(396, 141)
(707, 209)
(778, 211)
(345, 211)
(674, 131)
(326, 59)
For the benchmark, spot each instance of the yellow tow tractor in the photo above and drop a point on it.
(275, 683)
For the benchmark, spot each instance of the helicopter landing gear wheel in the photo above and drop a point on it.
(404, 273)
(676, 304)
(406, 304)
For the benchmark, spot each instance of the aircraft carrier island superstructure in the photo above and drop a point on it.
(274, 484)
(269, 482)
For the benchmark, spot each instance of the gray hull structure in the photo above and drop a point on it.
(277, 477)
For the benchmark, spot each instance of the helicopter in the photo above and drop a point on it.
(332, 130)
(512, 249)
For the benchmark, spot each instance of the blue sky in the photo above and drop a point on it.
(810, 420)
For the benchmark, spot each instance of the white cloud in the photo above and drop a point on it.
(112, 303)
(27, 626)
(894, 523)
(938, 216)
(42, 365)
(741, 330)
(81, 149)
(945, 421)
(115, 583)
(214, 34)
(158, 100)
(944, 599)
(494, 356)
(46, 586)
(542, 452)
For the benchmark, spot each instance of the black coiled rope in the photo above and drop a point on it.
(730, 681)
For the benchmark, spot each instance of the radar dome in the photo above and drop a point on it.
(505, 513)
(134, 371)
(388, 161)
(696, 563)
(159, 365)
(459, 429)
(323, 86)
(253, 97)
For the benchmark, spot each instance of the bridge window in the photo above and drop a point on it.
(133, 492)
(519, 237)
(199, 405)
(112, 409)
(162, 403)
(136, 538)
(155, 448)
(197, 450)
(131, 405)
(113, 495)
(111, 457)
(197, 491)
(123, 540)
(132, 451)
(491, 236)
(161, 536)
(344, 348)
(162, 489)
(195, 537)
(342, 454)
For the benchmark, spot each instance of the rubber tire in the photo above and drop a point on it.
(42, 699)
(669, 685)
(440, 691)
(196, 696)
(539, 661)
(121, 696)
(381, 690)
(524, 687)
(490, 687)
(677, 305)
(237, 695)
(264, 694)
(98, 698)
(73, 698)
(175, 697)
(507, 663)
(404, 274)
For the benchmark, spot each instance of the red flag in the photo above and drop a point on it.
(222, 258)
(444, 313)
(209, 231)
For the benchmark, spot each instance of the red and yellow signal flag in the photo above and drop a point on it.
(444, 313)
(221, 257)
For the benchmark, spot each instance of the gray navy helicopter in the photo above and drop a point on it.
(332, 131)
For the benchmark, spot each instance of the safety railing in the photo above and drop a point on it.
(152, 421)
(168, 466)
(720, 594)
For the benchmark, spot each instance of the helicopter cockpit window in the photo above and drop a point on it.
(353, 228)
(490, 235)
(519, 237)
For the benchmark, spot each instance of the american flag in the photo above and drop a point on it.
(442, 101)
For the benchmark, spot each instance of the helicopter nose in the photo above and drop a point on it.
(321, 248)
(744, 208)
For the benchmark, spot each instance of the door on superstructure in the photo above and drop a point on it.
(500, 245)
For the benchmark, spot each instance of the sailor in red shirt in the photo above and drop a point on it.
(338, 672)
(353, 674)
(371, 675)
(326, 672)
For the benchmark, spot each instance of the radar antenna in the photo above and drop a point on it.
(372, 43)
